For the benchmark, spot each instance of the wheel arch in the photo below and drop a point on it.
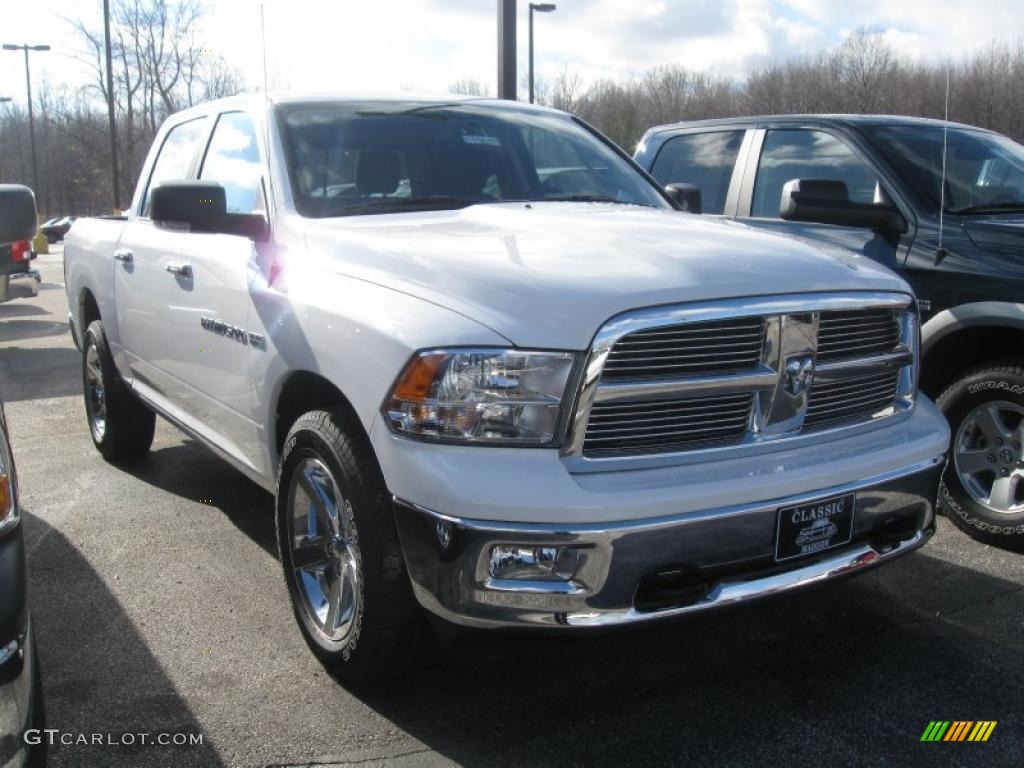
(960, 338)
(302, 391)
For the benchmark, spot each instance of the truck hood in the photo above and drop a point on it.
(550, 274)
(1002, 234)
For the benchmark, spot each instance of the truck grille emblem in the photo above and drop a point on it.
(799, 374)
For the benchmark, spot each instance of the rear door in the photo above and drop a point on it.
(785, 152)
(711, 159)
(142, 255)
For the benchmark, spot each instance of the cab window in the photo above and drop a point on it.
(175, 157)
(233, 161)
(703, 159)
(803, 154)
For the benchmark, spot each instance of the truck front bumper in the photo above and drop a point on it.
(638, 571)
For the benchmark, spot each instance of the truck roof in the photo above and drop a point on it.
(836, 119)
(256, 100)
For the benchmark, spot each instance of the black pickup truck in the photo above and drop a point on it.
(874, 184)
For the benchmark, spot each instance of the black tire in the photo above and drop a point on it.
(994, 384)
(386, 630)
(127, 426)
(38, 752)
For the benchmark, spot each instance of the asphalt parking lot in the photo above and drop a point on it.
(159, 608)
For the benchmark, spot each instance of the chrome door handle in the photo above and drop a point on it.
(180, 270)
(123, 255)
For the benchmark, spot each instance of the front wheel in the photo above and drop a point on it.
(983, 485)
(339, 548)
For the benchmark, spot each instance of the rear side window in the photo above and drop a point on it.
(175, 156)
(802, 154)
(703, 159)
(233, 160)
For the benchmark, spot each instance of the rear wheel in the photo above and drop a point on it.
(121, 426)
(983, 485)
(340, 552)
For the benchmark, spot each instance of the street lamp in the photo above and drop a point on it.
(28, 88)
(3, 100)
(539, 8)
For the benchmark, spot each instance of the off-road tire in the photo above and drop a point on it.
(128, 425)
(389, 627)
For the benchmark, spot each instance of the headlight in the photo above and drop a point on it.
(495, 396)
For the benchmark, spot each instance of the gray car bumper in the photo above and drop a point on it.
(638, 571)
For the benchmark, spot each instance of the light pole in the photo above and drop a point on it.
(28, 87)
(3, 100)
(539, 8)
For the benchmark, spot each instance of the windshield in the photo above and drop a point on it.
(984, 171)
(382, 157)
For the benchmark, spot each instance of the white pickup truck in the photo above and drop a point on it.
(490, 370)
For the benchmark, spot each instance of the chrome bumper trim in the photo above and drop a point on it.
(448, 558)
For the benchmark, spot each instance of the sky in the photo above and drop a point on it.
(426, 45)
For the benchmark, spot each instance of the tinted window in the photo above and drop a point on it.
(800, 154)
(704, 159)
(984, 171)
(379, 157)
(233, 160)
(175, 156)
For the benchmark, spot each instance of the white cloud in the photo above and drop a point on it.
(429, 44)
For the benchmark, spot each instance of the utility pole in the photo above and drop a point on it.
(28, 88)
(3, 120)
(115, 175)
(507, 85)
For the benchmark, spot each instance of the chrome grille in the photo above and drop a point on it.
(726, 373)
(853, 398)
(856, 334)
(715, 347)
(666, 425)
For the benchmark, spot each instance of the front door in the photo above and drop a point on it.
(209, 317)
(805, 153)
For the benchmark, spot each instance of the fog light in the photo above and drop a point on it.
(526, 563)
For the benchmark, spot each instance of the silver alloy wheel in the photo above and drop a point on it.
(988, 456)
(95, 394)
(325, 559)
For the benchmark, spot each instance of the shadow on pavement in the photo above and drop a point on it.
(18, 330)
(847, 675)
(98, 674)
(33, 373)
(193, 472)
(20, 309)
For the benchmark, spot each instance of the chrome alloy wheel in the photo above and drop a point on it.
(988, 456)
(95, 394)
(325, 559)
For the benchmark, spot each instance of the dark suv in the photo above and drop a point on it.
(873, 185)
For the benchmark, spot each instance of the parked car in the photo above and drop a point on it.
(21, 704)
(55, 229)
(873, 185)
(486, 368)
(17, 278)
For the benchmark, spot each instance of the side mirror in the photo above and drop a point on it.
(202, 207)
(687, 195)
(827, 201)
(17, 213)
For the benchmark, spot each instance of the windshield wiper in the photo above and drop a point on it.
(589, 199)
(1013, 205)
